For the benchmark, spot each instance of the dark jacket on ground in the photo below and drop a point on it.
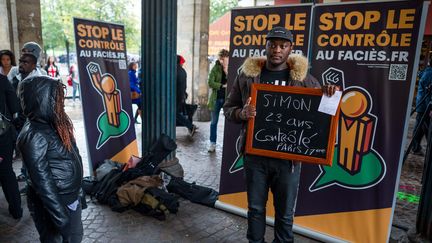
(55, 173)
(250, 73)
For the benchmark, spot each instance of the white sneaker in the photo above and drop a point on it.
(212, 148)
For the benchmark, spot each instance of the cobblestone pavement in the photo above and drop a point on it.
(193, 222)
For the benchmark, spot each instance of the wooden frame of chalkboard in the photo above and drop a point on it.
(289, 126)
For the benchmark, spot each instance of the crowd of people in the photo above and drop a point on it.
(34, 122)
(34, 119)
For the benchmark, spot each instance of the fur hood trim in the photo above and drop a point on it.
(297, 63)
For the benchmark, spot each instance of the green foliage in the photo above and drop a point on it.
(57, 20)
(220, 7)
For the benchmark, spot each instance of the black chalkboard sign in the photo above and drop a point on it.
(289, 126)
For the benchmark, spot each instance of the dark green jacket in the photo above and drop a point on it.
(214, 82)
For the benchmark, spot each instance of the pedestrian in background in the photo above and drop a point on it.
(181, 80)
(262, 172)
(423, 98)
(52, 159)
(135, 88)
(7, 61)
(51, 68)
(27, 68)
(73, 72)
(31, 48)
(217, 82)
(8, 112)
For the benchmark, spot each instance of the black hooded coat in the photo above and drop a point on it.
(55, 173)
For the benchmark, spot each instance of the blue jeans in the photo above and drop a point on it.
(75, 88)
(215, 118)
(263, 173)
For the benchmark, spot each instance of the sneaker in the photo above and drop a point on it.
(212, 148)
(192, 130)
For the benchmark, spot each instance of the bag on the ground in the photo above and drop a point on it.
(88, 185)
(194, 193)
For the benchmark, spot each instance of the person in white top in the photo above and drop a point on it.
(7, 61)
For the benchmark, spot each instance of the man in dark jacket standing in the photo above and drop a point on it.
(27, 68)
(262, 173)
(181, 80)
(8, 111)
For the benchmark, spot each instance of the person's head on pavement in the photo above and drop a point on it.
(279, 44)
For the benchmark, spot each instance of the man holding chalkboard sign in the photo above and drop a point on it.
(262, 173)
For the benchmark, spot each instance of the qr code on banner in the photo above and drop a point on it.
(398, 71)
(122, 64)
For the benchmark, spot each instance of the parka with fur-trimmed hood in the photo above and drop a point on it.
(251, 72)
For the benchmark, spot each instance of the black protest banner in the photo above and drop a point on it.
(105, 92)
(371, 51)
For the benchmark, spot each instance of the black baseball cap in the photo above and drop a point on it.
(280, 33)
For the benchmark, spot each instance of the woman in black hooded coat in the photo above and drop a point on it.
(52, 159)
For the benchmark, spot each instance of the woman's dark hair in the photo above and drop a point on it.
(131, 65)
(10, 54)
(223, 53)
(62, 122)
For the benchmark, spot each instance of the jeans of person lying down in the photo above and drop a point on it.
(262, 174)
